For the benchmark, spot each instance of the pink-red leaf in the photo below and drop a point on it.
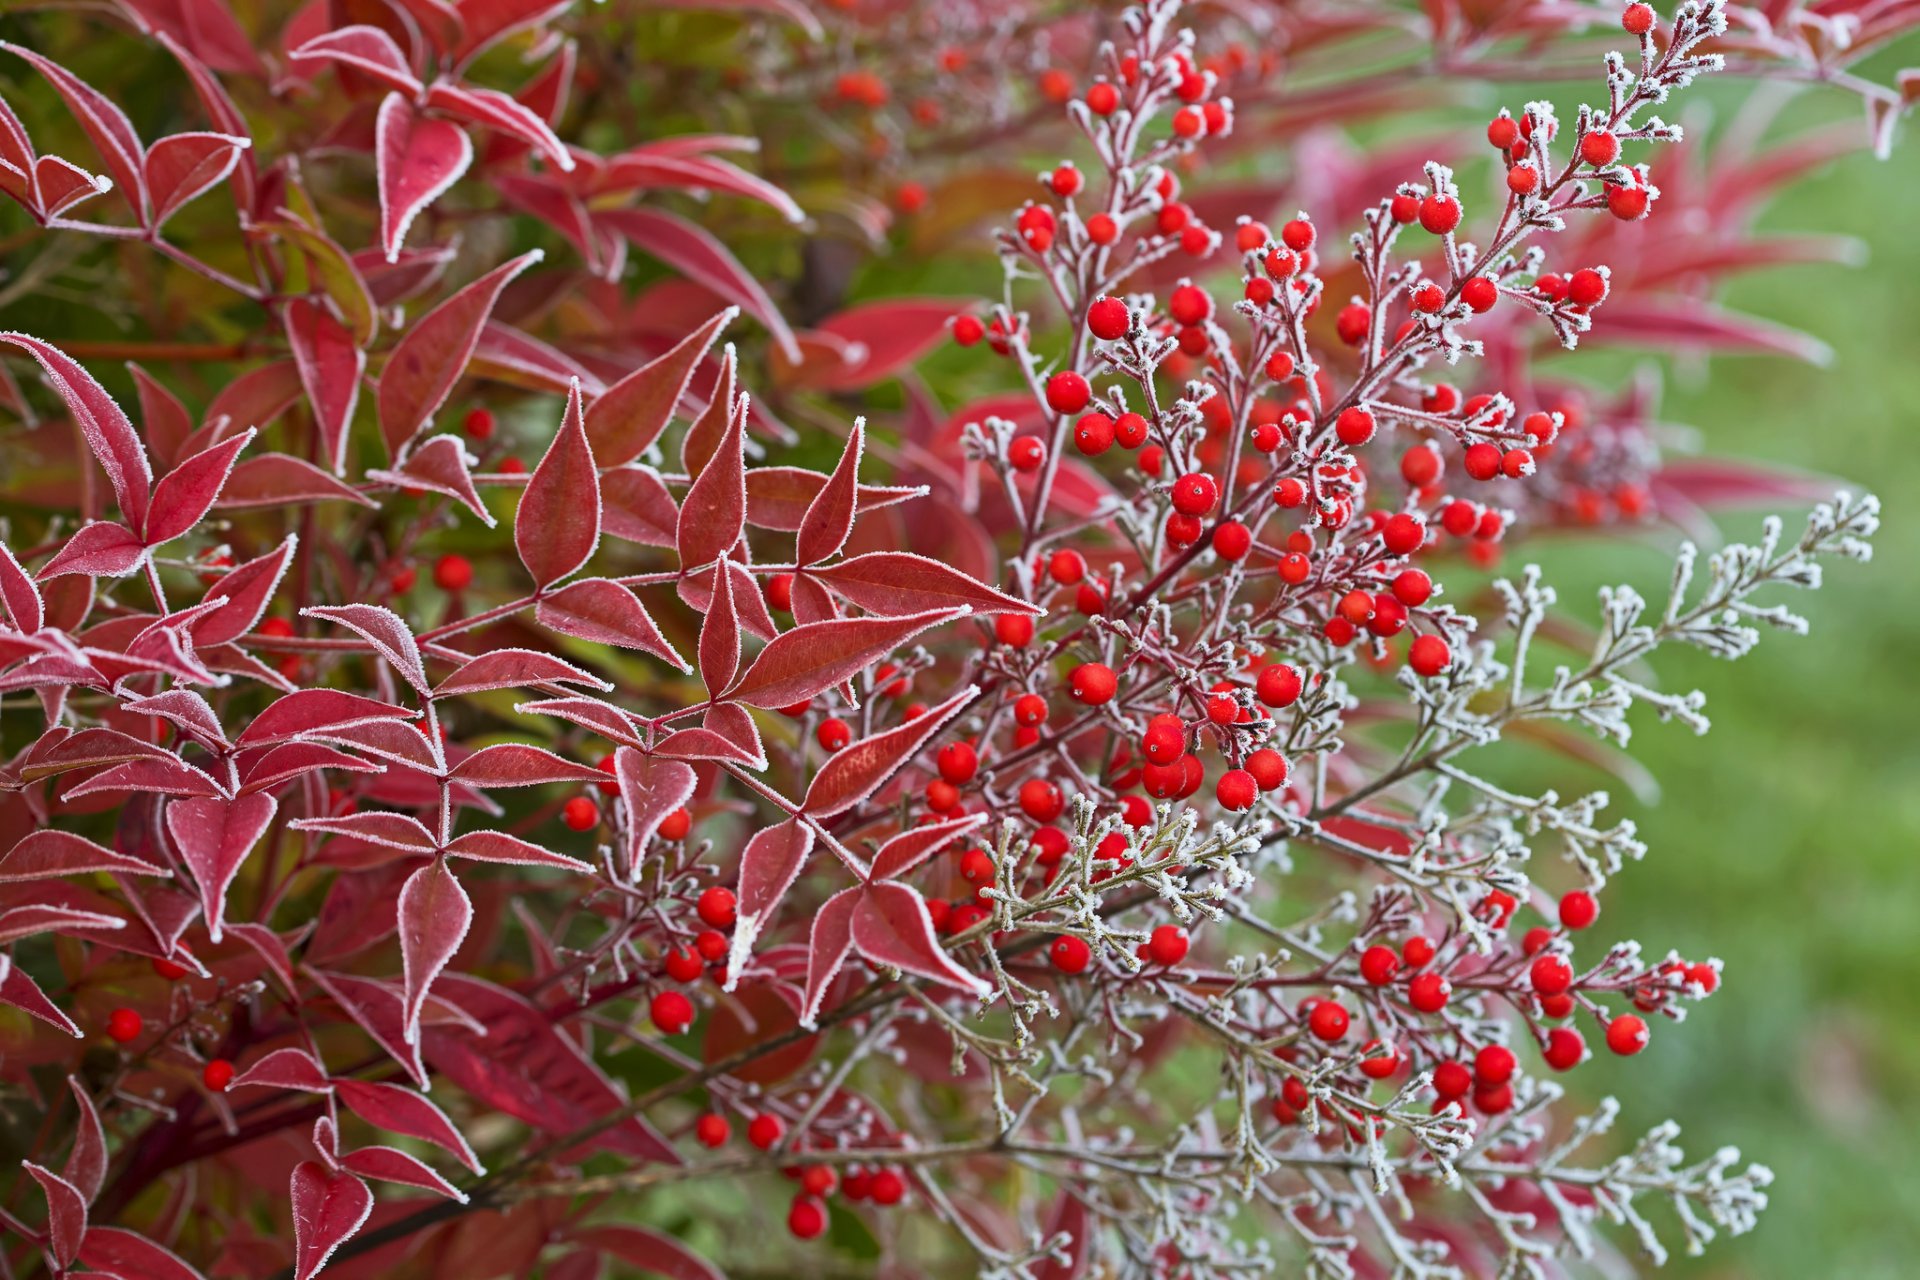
(106, 428)
(435, 914)
(557, 524)
(214, 836)
(388, 830)
(720, 638)
(498, 846)
(855, 772)
(829, 517)
(331, 364)
(86, 1166)
(310, 711)
(280, 480)
(714, 513)
(122, 1253)
(443, 465)
(695, 254)
(183, 166)
(366, 49)
(827, 947)
(897, 582)
(891, 927)
(328, 1208)
(654, 1252)
(417, 158)
(515, 764)
(910, 848)
(19, 595)
(186, 493)
(386, 631)
(651, 789)
(66, 1213)
(401, 1110)
(630, 415)
(422, 371)
(811, 658)
(106, 125)
(515, 669)
(287, 1069)
(244, 592)
(768, 867)
(48, 855)
(605, 612)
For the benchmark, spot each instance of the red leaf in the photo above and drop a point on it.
(19, 594)
(388, 830)
(827, 948)
(377, 1009)
(266, 944)
(557, 524)
(514, 764)
(891, 927)
(22, 993)
(164, 418)
(389, 1164)
(434, 917)
(400, 1110)
(244, 592)
(638, 506)
(48, 855)
(695, 254)
(654, 1252)
(514, 669)
(490, 20)
(494, 110)
(498, 846)
(644, 168)
(609, 721)
(829, 518)
(331, 364)
(910, 848)
(714, 513)
(605, 612)
(525, 1068)
(187, 493)
(185, 709)
(122, 1253)
(214, 837)
(630, 415)
(279, 480)
(86, 1167)
(720, 638)
(276, 765)
(106, 125)
(650, 789)
(287, 1069)
(418, 158)
(66, 1213)
(735, 723)
(897, 582)
(443, 465)
(309, 711)
(855, 772)
(183, 166)
(704, 434)
(386, 631)
(778, 497)
(887, 336)
(811, 658)
(106, 428)
(327, 1209)
(366, 49)
(423, 368)
(768, 867)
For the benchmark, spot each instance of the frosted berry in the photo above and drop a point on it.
(1068, 392)
(1070, 954)
(1130, 431)
(1268, 767)
(1480, 293)
(1551, 975)
(1600, 148)
(1637, 20)
(1107, 318)
(1278, 685)
(1627, 1034)
(1429, 655)
(1482, 460)
(671, 1012)
(1629, 204)
(1236, 790)
(1189, 305)
(1440, 214)
(1297, 235)
(1195, 494)
(1354, 426)
(717, 907)
(1167, 945)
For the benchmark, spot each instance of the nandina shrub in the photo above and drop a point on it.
(458, 741)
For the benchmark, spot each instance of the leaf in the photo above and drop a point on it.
(778, 497)
(654, 1252)
(650, 789)
(389, 1164)
(514, 764)
(22, 993)
(377, 1009)
(279, 480)
(695, 254)
(609, 721)
(638, 507)
(768, 867)
(643, 168)
(122, 1253)
(401, 1110)
(48, 855)
(266, 944)
(327, 1209)
(498, 846)
(106, 428)
(829, 518)
(809, 659)
(488, 21)
(491, 109)
(891, 927)
(421, 372)
(330, 270)
(714, 512)
(514, 669)
(86, 1166)
(605, 612)
(106, 126)
(856, 771)
(435, 914)
(903, 852)
(100, 549)
(887, 336)
(66, 1214)
(286, 1069)
(388, 830)
(630, 415)
(704, 434)
(164, 418)
(296, 759)
(19, 594)
(183, 166)
(719, 651)
(386, 631)
(828, 945)
(184, 709)
(214, 836)
(898, 582)
(557, 524)
(185, 494)
(526, 1069)
(243, 592)
(331, 364)
(418, 157)
(310, 711)
(367, 49)
(443, 465)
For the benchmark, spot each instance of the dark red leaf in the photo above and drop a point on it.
(514, 764)
(638, 506)
(897, 582)
(286, 1069)
(163, 417)
(443, 465)
(400, 1110)
(421, 372)
(19, 595)
(331, 364)
(498, 846)
(214, 836)
(651, 789)
(514, 669)
(714, 512)
(768, 867)
(720, 638)
(106, 428)
(491, 109)
(904, 852)
(557, 524)
(386, 631)
(389, 1164)
(86, 1166)
(48, 855)
(695, 254)
(856, 771)
(310, 711)
(811, 658)
(389, 830)
(655, 1253)
(244, 592)
(778, 497)
(829, 517)
(22, 993)
(827, 947)
(279, 480)
(66, 1213)
(122, 1253)
(187, 493)
(435, 914)
(891, 927)
(106, 125)
(327, 1209)
(603, 611)
(887, 336)
(630, 415)
(704, 434)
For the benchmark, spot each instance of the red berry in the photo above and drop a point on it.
(763, 1131)
(1269, 768)
(1428, 299)
(217, 1075)
(717, 907)
(1184, 531)
(1516, 464)
(1167, 945)
(1480, 293)
(833, 733)
(1014, 630)
(976, 867)
(1600, 148)
(1065, 181)
(1403, 534)
(671, 1012)
(1629, 203)
(1452, 1079)
(1026, 453)
(1278, 685)
(1587, 287)
(1482, 460)
(957, 762)
(1237, 790)
(452, 573)
(1412, 588)
(711, 944)
(1578, 909)
(888, 1187)
(684, 964)
(1328, 1021)
(124, 1025)
(1376, 1065)
(1417, 951)
(1627, 1034)
(968, 330)
(1068, 392)
(1503, 132)
(1130, 431)
(1637, 20)
(1429, 655)
(807, 1220)
(1102, 229)
(580, 814)
(478, 423)
(1350, 326)
(1404, 208)
(169, 970)
(1041, 800)
(1030, 709)
(1429, 992)
(1195, 494)
(1108, 318)
(1232, 540)
(1440, 214)
(1070, 954)
(1551, 975)
(1565, 1049)
(1460, 518)
(712, 1130)
(1103, 99)
(1379, 965)
(1493, 1065)
(675, 825)
(1093, 434)
(1354, 426)
(1297, 235)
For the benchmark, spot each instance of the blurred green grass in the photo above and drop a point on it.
(1784, 841)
